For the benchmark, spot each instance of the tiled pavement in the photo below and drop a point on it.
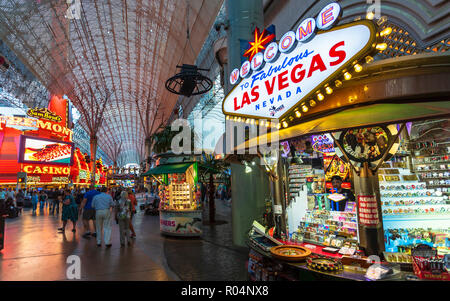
(34, 250)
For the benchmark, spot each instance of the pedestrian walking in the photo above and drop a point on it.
(57, 198)
(42, 200)
(20, 198)
(123, 217)
(34, 201)
(69, 211)
(2, 195)
(102, 203)
(88, 212)
(134, 204)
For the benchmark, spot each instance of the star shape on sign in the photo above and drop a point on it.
(259, 43)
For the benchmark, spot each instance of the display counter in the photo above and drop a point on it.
(181, 222)
(300, 270)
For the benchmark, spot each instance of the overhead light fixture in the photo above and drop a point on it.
(285, 124)
(312, 103)
(189, 81)
(304, 108)
(338, 83)
(358, 67)
(298, 114)
(370, 15)
(347, 76)
(328, 90)
(369, 59)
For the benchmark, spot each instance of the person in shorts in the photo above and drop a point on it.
(88, 212)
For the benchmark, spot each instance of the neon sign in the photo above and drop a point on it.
(12, 121)
(290, 74)
(323, 143)
(51, 170)
(43, 113)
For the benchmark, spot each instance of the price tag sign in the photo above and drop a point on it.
(367, 210)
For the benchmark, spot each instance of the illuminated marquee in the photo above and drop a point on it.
(51, 170)
(43, 113)
(287, 78)
(38, 124)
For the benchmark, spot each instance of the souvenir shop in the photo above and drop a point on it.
(359, 183)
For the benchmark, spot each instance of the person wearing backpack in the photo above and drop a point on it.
(123, 217)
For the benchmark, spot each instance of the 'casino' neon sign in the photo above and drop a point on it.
(293, 75)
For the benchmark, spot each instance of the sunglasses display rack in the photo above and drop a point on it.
(413, 211)
(434, 171)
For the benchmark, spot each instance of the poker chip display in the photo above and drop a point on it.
(324, 264)
(290, 253)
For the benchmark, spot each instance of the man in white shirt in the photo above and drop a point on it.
(102, 203)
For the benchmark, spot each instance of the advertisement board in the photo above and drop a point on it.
(38, 150)
(182, 223)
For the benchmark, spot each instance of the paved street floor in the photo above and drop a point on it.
(34, 250)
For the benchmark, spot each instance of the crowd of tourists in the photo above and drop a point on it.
(100, 206)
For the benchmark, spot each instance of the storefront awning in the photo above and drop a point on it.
(370, 115)
(168, 168)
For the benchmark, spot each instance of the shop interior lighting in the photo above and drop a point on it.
(386, 31)
(228, 117)
(381, 46)
(298, 114)
(347, 76)
(285, 124)
(291, 118)
(312, 103)
(248, 169)
(370, 15)
(369, 59)
(278, 126)
(338, 83)
(358, 67)
(328, 90)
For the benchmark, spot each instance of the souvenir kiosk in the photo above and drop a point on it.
(180, 202)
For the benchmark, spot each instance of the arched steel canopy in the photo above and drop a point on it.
(125, 49)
